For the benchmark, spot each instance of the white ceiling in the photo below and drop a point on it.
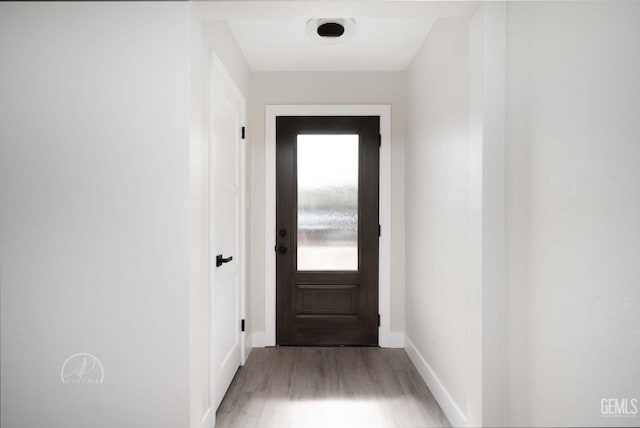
(272, 34)
(283, 44)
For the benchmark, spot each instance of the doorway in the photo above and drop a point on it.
(386, 338)
(327, 198)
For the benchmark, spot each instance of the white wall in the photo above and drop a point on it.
(437, 193)
(218, 37)
(326, 88)
(93, 211)
(573, 193)
(486, 289)
(199, 314)
(206, 37)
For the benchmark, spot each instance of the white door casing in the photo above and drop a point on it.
(386, 338)
(227, 216)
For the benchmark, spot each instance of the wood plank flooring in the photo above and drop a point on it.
(291, 387)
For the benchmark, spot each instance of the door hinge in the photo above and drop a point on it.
(379, 231)
(379, 140)
(243, 132)
(242, 325)
(378, 320)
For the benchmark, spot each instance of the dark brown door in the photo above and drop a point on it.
(327, 193)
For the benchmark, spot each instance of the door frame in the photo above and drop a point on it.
(384, 268)
(216, 63)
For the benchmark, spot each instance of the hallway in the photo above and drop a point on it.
(162, 228)
(329, 387)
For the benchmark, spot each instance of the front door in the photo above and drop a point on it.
(327, 193)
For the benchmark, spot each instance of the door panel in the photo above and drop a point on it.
(226, 187)
(327, 185)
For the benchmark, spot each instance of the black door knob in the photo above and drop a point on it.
(282, 249)
(282, 233)
(220, 260)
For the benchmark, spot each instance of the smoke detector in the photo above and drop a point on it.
(331, 31)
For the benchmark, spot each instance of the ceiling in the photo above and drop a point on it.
(283, 44)
(272, 34)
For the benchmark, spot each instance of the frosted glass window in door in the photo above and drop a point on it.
(327, 168)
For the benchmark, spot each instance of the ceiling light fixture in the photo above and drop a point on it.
(331, 30)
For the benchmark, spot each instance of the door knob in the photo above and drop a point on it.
(220, 261)
(282, 249)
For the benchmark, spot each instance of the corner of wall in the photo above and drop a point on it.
(487, 292)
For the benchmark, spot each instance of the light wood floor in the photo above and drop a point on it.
(291, 387)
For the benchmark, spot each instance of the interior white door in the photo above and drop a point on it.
(227, 152)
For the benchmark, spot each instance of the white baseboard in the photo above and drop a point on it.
(258, 339)
(248, 346)
(209, 419)
(394, 339)
(449, 407)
